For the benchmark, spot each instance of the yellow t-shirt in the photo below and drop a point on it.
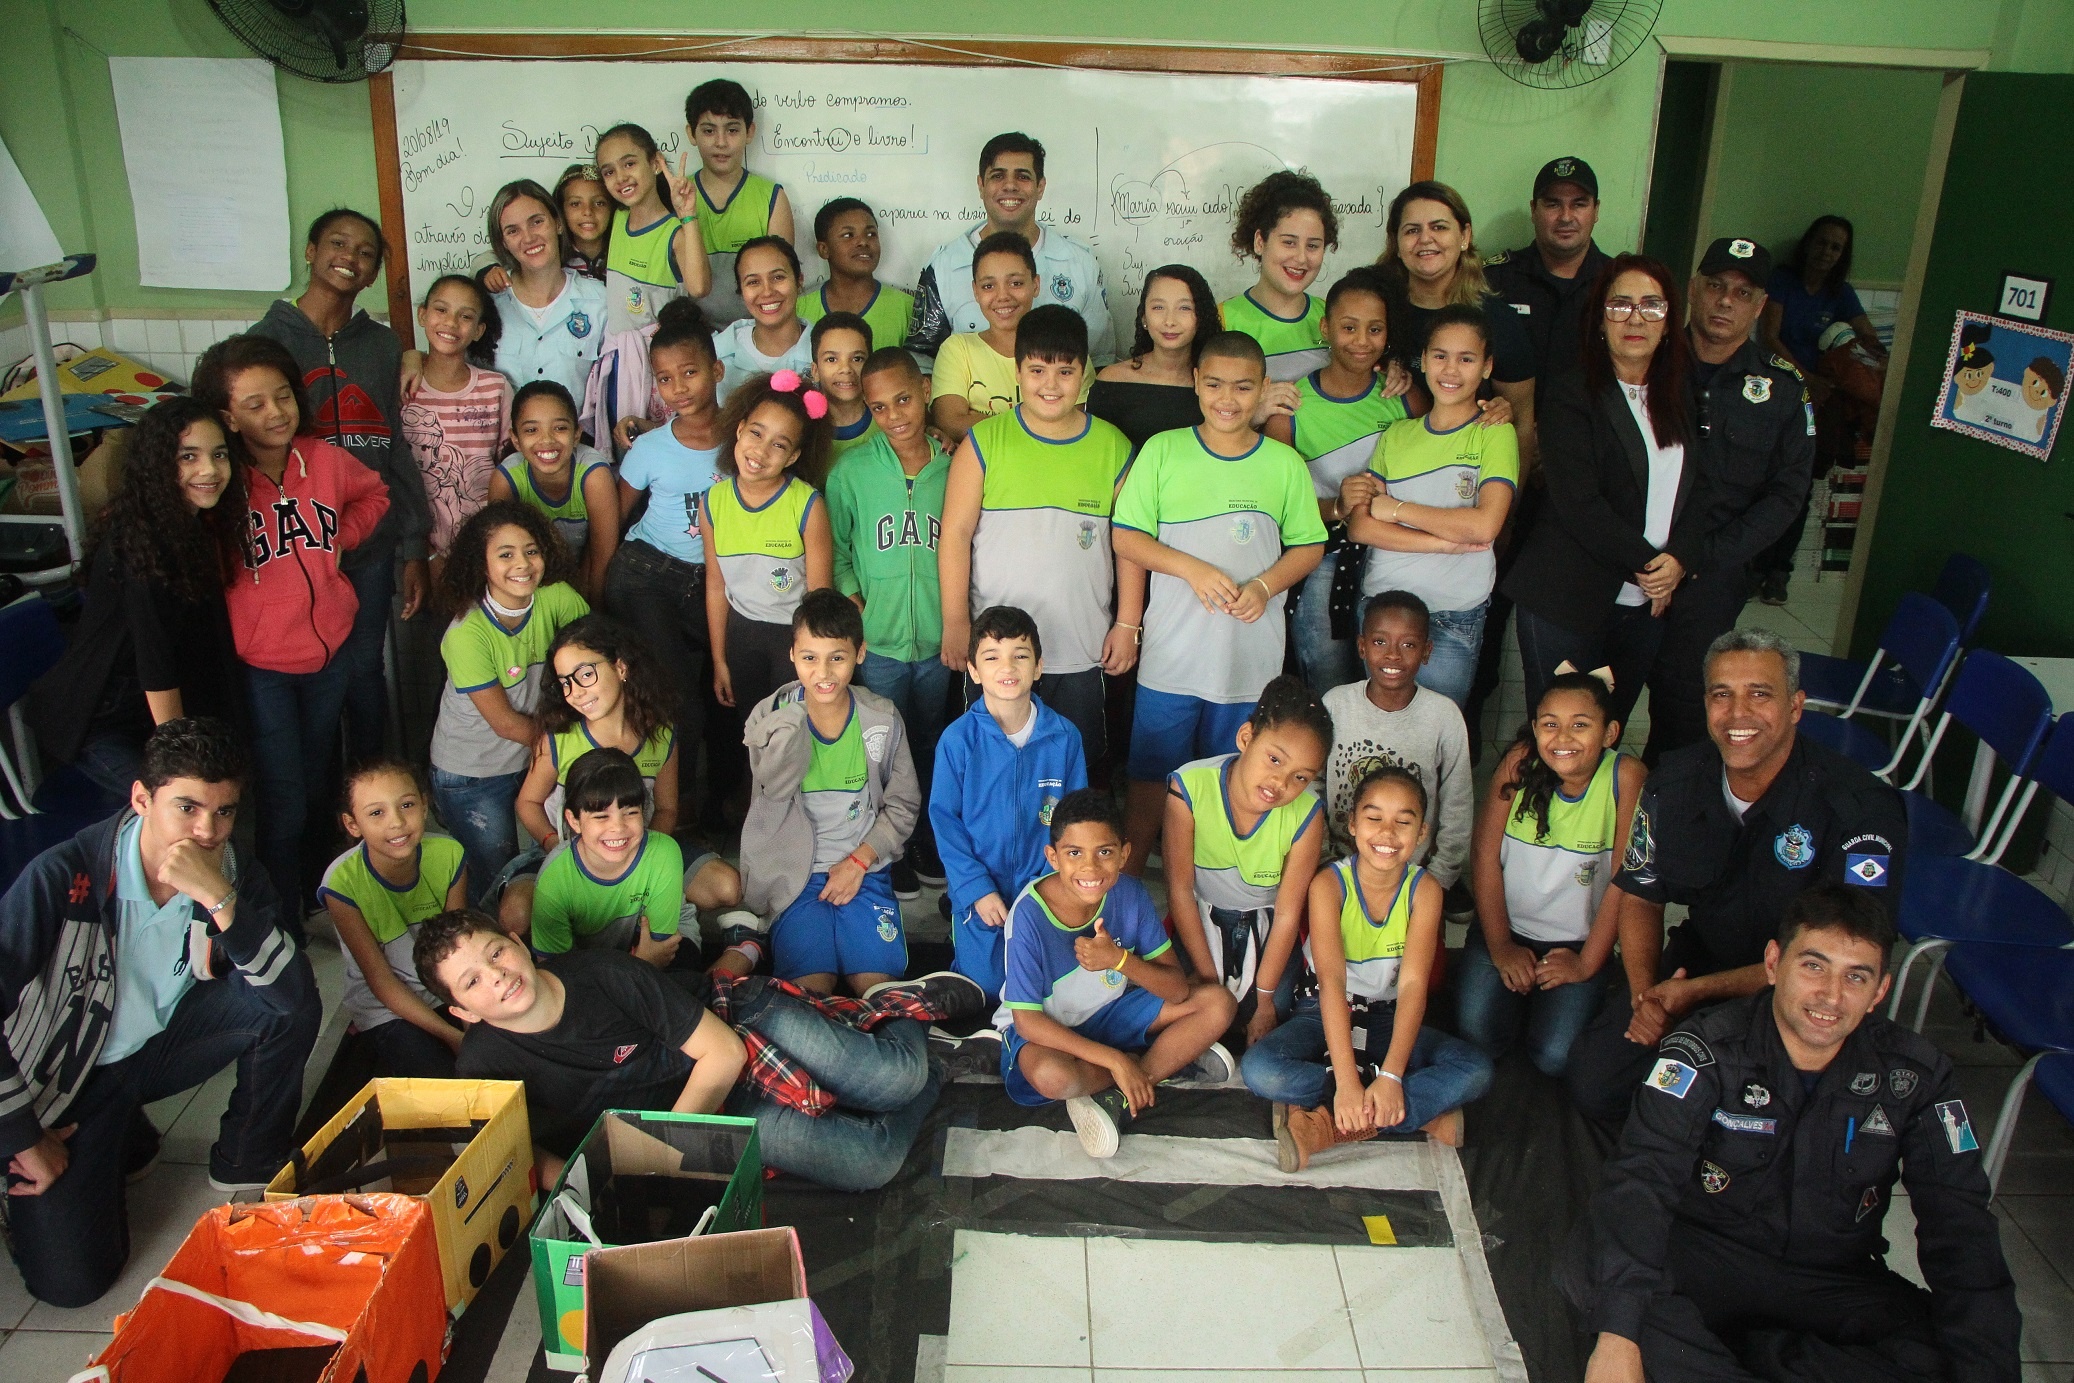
(970, 369)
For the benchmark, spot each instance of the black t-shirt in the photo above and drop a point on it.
(1511, 351)
(619, 1045)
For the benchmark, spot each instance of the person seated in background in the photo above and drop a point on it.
(1096, 1010)
(137, 960)
(1737, 1230)
(838, 1087)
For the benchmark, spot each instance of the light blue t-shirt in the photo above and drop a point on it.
(736, 348)
(151, 947)
(674, 476)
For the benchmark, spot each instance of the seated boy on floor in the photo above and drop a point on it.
(838, 1087)
(614, 884)
(1095, 1010)
(1000, 770)
(835, 800)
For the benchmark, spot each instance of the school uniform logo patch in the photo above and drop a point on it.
(1465, 488)
(1958, 1129)
(1868, 1202)
(1113, 979)
(1044, 812)
(875, 741)
(1086, 536)
(1062, 288)
(1242, 530)
(1865, 1083)
(889, 924)
(1672, 1077)
(1586, 872)
(1866, 871)
(1795, 847)
(1714, 1178)
(1902, 1082)
(781, 579)
(579, 325)
(1757, 388)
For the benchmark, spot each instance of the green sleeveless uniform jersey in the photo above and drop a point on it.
(640, 273)
(887, 313)
(834, 792)
(572, 744)
(392, 914)
(1241, 872)
(1553, 883)
(1294, 346)
(1374, 946)
(1239, 514)
(725, 228)
(762, 552)
(570, 514)
(1042, 544)
(1336, 436)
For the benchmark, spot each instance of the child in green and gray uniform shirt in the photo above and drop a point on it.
(1026, 523)
(885, 507)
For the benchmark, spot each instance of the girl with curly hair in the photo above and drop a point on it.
(154, 643)
(1285, 224)
(506, 587)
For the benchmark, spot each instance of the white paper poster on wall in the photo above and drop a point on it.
(201, 142)
(26, 241)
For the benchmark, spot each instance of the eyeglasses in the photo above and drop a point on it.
(1648, 309)
(586, 675)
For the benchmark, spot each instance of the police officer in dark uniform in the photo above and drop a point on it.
(1734, 827)
(1546, 283)
(1754, 447)
(1737, 1231)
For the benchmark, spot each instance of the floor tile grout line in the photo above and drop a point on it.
(2065, 1284)
(1346, 1302)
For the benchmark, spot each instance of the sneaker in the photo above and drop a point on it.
(1458, 901)
(928, 866)
(141, 1146)
(1211, 1071)
(948, 995)
(976, 1057)
(1288, 1157)
(1100, 1119)
(943, 906)
(233, 1180)
(906, 886)
(1772, 588)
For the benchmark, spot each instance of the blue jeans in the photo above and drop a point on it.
(1327, 662)
(881, 1080)
(72, 1241)
(1491, 1016)
(481, 814)
(111, 760)
(1289, 1066)
(295, 727)
(367, 690)
(1457, 639)
(920, 691)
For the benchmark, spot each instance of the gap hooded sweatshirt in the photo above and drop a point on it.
(291, 607)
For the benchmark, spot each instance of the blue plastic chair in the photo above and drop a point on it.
(2027, 996)
(1947, 900)
(30, 634)
(2011, 712)
(1922, 640)
(1834, 683)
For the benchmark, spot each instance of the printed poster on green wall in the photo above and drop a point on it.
(2005, 382)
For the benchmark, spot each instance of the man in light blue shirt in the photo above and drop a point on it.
(1011, 183)
(137, 960)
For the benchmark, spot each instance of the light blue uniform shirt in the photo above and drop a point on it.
(151, 952)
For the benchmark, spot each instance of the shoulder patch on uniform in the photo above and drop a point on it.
(1690, 1046)
(1676, 1078)
(1502, 257)
(1641, 851)
(1958, 1129)
(1780, 362)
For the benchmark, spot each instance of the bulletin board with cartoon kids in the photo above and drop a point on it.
(2005, 382)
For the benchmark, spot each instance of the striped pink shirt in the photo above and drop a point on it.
(455, 438)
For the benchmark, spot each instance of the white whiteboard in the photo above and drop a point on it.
(1145, 167)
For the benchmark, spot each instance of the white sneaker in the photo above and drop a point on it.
(1098, 1119)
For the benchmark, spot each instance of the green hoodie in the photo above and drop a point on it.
(886, 529)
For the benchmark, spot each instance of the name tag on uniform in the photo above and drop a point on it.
(1745, 1123)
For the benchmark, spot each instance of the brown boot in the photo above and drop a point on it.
(1446, 1129)
(1313, 1131)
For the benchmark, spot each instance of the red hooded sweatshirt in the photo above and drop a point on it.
(291, 607)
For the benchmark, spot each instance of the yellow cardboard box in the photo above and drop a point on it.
(464, 1147)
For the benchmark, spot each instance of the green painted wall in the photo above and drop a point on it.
(57, 111)
(1943, 491)
(1800, 141)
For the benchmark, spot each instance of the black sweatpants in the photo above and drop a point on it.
(1735, 1315)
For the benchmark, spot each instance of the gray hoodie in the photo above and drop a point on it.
(777, 835)
(354, 390)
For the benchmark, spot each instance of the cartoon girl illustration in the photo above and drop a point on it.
(1976, 366)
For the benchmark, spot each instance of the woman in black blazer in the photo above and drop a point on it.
(1595, 573)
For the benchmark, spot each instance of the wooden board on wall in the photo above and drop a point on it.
(1422, 79)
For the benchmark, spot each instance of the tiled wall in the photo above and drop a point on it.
(168, 345)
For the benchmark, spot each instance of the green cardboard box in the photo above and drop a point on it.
(638, 1178)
